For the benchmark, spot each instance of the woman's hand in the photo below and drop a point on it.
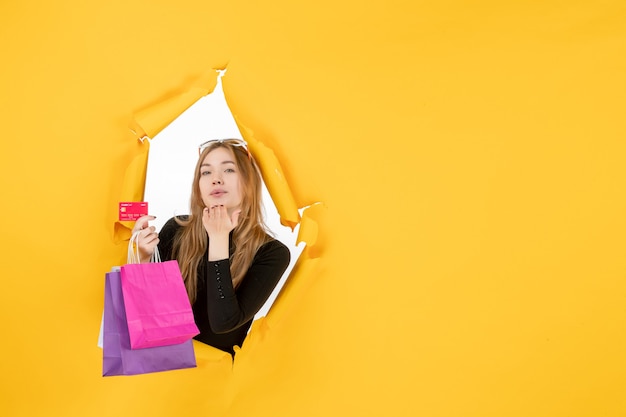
(147, 239)
(218, 225)
(217, 222)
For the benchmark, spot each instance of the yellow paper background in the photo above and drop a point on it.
(470, 161)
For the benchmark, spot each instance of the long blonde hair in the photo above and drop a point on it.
(191, 242)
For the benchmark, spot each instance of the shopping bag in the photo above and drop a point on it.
(158, 311)
(118, 357)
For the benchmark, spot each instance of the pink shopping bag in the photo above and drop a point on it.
(158, 311)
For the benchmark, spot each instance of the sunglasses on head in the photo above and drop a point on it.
(232, 142)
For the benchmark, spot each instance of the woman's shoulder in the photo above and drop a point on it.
(274, 248)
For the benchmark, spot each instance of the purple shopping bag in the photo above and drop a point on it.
(118, 357)
(158, 311)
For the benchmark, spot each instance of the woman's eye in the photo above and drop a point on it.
(229, 170)
(203, 173)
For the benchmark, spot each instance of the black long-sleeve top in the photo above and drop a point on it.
(222, 314)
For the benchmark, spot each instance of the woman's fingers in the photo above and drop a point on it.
(216, 220)
(148, 230)
(147, 237)
(216, 212)
(142, 222)
(148, 234)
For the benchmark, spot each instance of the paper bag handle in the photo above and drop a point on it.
(133, 251)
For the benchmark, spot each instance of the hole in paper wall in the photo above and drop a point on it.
(171, 161)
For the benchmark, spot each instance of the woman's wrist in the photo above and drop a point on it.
(218, 247)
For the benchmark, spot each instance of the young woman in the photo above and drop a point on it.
(229, 262)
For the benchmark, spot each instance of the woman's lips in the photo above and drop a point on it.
(217, 193)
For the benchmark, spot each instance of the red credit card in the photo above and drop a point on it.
(133, 210)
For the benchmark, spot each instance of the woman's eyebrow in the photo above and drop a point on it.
(221, 163)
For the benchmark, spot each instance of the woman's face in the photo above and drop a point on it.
(220, 180)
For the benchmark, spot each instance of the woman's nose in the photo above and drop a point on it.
(217, 180)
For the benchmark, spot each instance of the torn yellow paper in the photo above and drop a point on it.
(132, 190)
(302, 273)
(273, 176)
(146, 124)
(301, 276)
(174, 152)
(312, 216)
(151, 120)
